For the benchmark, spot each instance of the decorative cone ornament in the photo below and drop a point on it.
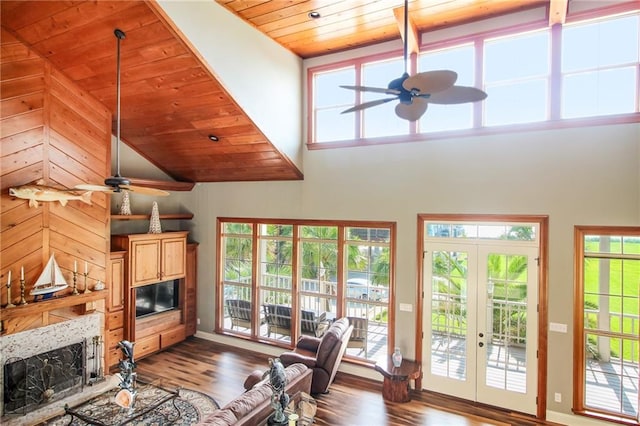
(154, 224)
(125, 208)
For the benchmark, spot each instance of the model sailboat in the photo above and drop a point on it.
(50, 280)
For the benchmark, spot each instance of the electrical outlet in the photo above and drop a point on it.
(557, 397)
(198, 321)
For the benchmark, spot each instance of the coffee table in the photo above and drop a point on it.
(103, 411)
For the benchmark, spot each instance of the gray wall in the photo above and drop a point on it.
(583, 176)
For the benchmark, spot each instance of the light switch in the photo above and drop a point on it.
(406, 307)
(555, 326)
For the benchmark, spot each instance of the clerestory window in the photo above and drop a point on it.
(587, 69)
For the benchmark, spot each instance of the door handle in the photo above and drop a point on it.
(481, 344)
(481, 335)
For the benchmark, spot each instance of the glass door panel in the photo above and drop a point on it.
(507, 332)
(452, 319)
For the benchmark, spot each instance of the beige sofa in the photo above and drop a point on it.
(254, 406)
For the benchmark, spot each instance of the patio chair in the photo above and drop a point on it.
(240, 312)
(358, 337)
(313, 325)
(278, 318)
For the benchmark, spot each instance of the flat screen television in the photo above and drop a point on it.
(155, 298)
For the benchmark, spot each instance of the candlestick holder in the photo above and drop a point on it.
(9, 304)
(23, 301)
(86, 288)
(75, 283)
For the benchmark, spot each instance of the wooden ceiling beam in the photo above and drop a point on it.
(558, 11)
(413, 46)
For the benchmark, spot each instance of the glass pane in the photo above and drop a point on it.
(631, 245)
(599, 93)
(523, 102)
(602, 244)
(611, 42)
(611, 375)
(327, 90)
(507, 319)
(238, 312)
(382, 120)
(460, 59)
(331, 125)
(448, 314)
(276, 308)
(529, 54)
(237, 228)
(369, 234)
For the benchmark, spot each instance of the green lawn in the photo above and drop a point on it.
(623, 279)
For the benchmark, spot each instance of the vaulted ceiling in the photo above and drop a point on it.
(170, 99)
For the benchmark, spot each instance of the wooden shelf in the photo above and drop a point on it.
(37, 308)
(162, 184)
(176, 216)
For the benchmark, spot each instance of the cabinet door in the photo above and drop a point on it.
(145, 262)
(116, 287)
(174, 251)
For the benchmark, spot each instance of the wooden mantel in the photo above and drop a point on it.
(83, 300)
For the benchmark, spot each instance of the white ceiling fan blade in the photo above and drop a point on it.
(145, 191)
(373, 89)
(431, 81)
(368, 104)
(91, 187)
(457, 95)
(412, 111)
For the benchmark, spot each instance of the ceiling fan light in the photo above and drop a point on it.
(313, 14)
(214, 138)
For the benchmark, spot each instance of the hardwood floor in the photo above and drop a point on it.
(220, 370)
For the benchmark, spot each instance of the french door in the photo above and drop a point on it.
(481, 323)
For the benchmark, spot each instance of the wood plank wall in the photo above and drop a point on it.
(52, 131)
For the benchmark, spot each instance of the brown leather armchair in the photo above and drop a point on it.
(322, 355)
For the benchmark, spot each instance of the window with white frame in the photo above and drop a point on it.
(600, 67)
(306, 275)
(597, 76)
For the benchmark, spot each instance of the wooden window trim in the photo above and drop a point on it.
(341, 241)
(579, 363)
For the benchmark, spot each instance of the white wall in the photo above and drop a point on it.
(264, 78)
(584, 176)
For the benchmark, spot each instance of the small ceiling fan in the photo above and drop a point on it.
(416, 92)
(117, 182)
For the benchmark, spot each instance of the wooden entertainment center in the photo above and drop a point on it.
(141, 260)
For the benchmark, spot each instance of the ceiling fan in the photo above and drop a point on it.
(417, 91)
(117, 182)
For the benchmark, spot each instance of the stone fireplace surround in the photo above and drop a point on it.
(43, 339)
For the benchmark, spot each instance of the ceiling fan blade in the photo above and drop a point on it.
(412, 111)
(145, 191)
(368, 104)
(91, 187)
(457, 95)
(431, 81)
(372, 89)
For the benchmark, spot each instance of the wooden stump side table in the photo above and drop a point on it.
(395, 387)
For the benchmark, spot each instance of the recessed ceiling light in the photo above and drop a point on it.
(213, 138)
(313, 14)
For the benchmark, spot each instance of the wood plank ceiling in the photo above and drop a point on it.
(171, 101)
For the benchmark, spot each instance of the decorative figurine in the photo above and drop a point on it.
(125, 208)
(126, 396)
(279, 399)
(154, 223)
